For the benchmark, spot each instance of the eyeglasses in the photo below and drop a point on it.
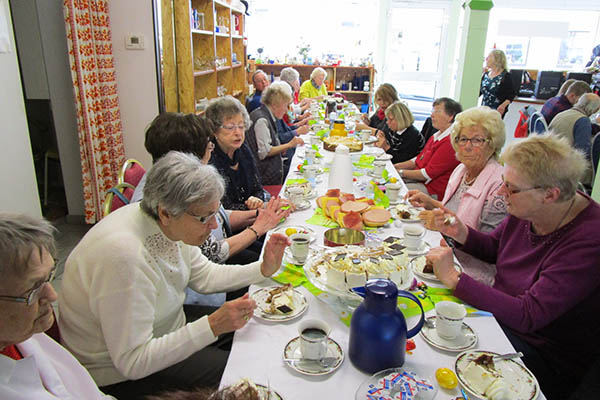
(475, 142)
(517, 191)
(204, 219)
(231, 128)
(34, 294)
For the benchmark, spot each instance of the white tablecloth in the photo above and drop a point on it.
(258, 347)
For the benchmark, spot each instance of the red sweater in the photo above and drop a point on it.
(438, 158)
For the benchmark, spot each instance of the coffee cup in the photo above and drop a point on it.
(365, 135)
(378, 167)
(310, 155)
(296, 195)
(314, 140)
(413, 235)
(314, 335)
(299, 246)
(310, 172)
(449, 318)
(392, 190)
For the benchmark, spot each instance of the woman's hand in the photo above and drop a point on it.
(302, 123)
(302, 130)
(382, 141)
(443, 264)
(502, 107)
(365, 119)
(269, 217)
(447, 223)
(232, 315)
(253, 203)
(360, 126)
(273, 253)
(296, 141)
(420, 199)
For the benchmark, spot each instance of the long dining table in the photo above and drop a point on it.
(258, 348)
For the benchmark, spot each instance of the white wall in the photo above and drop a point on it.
(17, 175)
(136, 73)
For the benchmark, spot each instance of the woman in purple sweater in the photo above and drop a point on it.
(547, 251)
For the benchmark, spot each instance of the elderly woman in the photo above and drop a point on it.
(32, 365)
(121, 310)
(385, 96)
(429, 171)
(399, 137)
(232, 157)
(472, 192)
(315, 86)
(574, 125)
(292, 77)
(546, 251)
(496, 83)
(263, 136)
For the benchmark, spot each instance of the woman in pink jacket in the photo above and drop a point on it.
(472, 193)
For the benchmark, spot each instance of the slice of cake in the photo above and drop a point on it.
(481, 373)
(281, 300)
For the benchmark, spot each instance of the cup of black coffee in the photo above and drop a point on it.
(314, 335)
(299, 246)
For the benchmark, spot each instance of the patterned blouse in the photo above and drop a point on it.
(489, 90)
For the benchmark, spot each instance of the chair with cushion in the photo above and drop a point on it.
(118, 197)
(537, 123)
(131, 172)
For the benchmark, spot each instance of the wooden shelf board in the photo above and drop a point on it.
(221, 34)
(205, 72)
(225, 68)
(236, 65)
(222, 4)
(236, 93)
(201, 32)
(348, 91)
(237, 36)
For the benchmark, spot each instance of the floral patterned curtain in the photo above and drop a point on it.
(97, 100)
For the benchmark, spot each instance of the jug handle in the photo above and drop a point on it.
(359, 290)
(419, 325)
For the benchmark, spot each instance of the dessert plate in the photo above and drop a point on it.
(401, 207)
(417, 264)
(520, 382)
(466, 340)
(396, 384)
(298, 229)
(265, 392)
(262, 307)
(307, 367)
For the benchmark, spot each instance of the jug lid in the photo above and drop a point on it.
(381, 288)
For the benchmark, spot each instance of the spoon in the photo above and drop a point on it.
(326, 362)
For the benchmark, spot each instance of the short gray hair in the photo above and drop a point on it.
(318, 71)
(222, 108)
(547, 161)
(588, 103)
(289, 75)
(277, 93)
(491, 122)
(20, 236)
(178, 180)
(578, 88)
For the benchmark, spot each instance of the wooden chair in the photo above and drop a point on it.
(118, 197)
(131, 172)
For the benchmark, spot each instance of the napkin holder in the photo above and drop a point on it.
(340, 175)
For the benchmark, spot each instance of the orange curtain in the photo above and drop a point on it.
(96, 99)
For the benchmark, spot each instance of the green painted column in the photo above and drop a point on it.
(596, 187)
(471, 56)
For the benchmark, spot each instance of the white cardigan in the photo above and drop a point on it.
(46, 372)
(121, 306)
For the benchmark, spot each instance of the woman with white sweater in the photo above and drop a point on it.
(121, 308)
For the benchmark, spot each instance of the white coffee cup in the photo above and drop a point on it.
(310, 155)
(310, 171)
(449, 318)
(314, 335)
(299, 246)
(365, 135)
(314, 140)
(413, 235)
(392, 190)
(378, 167)
(296, 195)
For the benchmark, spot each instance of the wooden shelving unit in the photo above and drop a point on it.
(210, 56)
(335, 76)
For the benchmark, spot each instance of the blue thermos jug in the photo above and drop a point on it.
(378, 330)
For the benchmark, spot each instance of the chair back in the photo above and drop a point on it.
(537, 123)
(118, 197)
(427, 130)
(131, 172)
(595, 154)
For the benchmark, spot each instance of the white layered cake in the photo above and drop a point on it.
(483, 377)
(351, 266)
(281, 300)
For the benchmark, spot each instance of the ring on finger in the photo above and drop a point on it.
(246, 317)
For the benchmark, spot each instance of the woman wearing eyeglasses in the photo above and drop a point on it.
(472, 193)
(263, 138)
(121, 308)
(546, 251)
(232, 157)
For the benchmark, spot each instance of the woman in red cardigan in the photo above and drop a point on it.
(430, 170)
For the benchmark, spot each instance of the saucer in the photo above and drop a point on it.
(417, 265)
(292, 350)
(303, 205)
(299, 229)
(425, 247)
(467, 340)
(288, 257)
(260, 297)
